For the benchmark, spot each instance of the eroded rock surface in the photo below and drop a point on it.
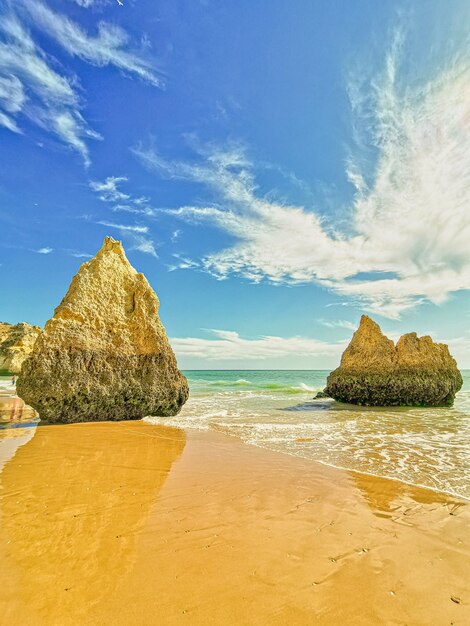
(376, 372)
(16, 343)
(104, 355)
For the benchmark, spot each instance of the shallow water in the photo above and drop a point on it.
(275, 409)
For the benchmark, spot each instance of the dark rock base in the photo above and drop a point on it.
(83, 386)
(401, 388)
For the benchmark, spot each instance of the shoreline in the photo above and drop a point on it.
(148, 420)
(147, 524)
(355, 471)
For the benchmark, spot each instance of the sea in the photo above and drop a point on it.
(276, 409)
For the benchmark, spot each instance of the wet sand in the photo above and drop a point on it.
(128, 523)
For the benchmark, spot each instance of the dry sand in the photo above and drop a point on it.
(132, 524)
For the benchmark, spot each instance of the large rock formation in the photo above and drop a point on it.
(105, 354)
(16, 343)
(376, 372)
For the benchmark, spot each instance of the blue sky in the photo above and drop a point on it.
(275, 169)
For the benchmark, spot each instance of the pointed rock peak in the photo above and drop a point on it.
(368, 346)
(111, 245)
(104, 287)
(367, 324)
(368, 332)
(110, 251)
(105, 353)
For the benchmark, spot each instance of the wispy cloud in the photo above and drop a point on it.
(80, 255)
(125, 227)
(407, 240)
(34, 87)
(12, 99)
(107, 47)
(339, 324)
(9, 122)
(145, 245)
(85, 3)
(175, 235)
(91, 3)
(229, 345)
(182, 263)
(45, 250)
(136, 235)
(108, 191)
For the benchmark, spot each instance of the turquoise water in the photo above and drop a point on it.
(289, 382)
(275, 409)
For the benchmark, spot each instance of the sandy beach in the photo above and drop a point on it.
(132, 523)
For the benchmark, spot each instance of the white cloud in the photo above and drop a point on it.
(12, 94)
(45, 250)
(32, 88)
(144, 245)
(32, 83)
(108, 47)
(125, 227)
(182, 263)
(407, 241)
(71, 128)
(339, 324)
(86, 4)
(228, 345)
(175, 235)
(80, 255)
(108, 191)
(135, 235)
(8, 122)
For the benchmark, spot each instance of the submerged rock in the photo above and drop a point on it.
(104, 355)
(376, 372)
(321, 395)
(16, 343)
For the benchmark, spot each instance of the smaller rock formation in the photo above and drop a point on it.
(16, 343)
(376, 372)
(104, 355)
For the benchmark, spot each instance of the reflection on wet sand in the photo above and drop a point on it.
(397, 501)
(89, 534)
(71, 502)
(11, 439)
(247, 536)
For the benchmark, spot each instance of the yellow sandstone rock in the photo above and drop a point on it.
(16, 343)
(376, 372)
(105, 354)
